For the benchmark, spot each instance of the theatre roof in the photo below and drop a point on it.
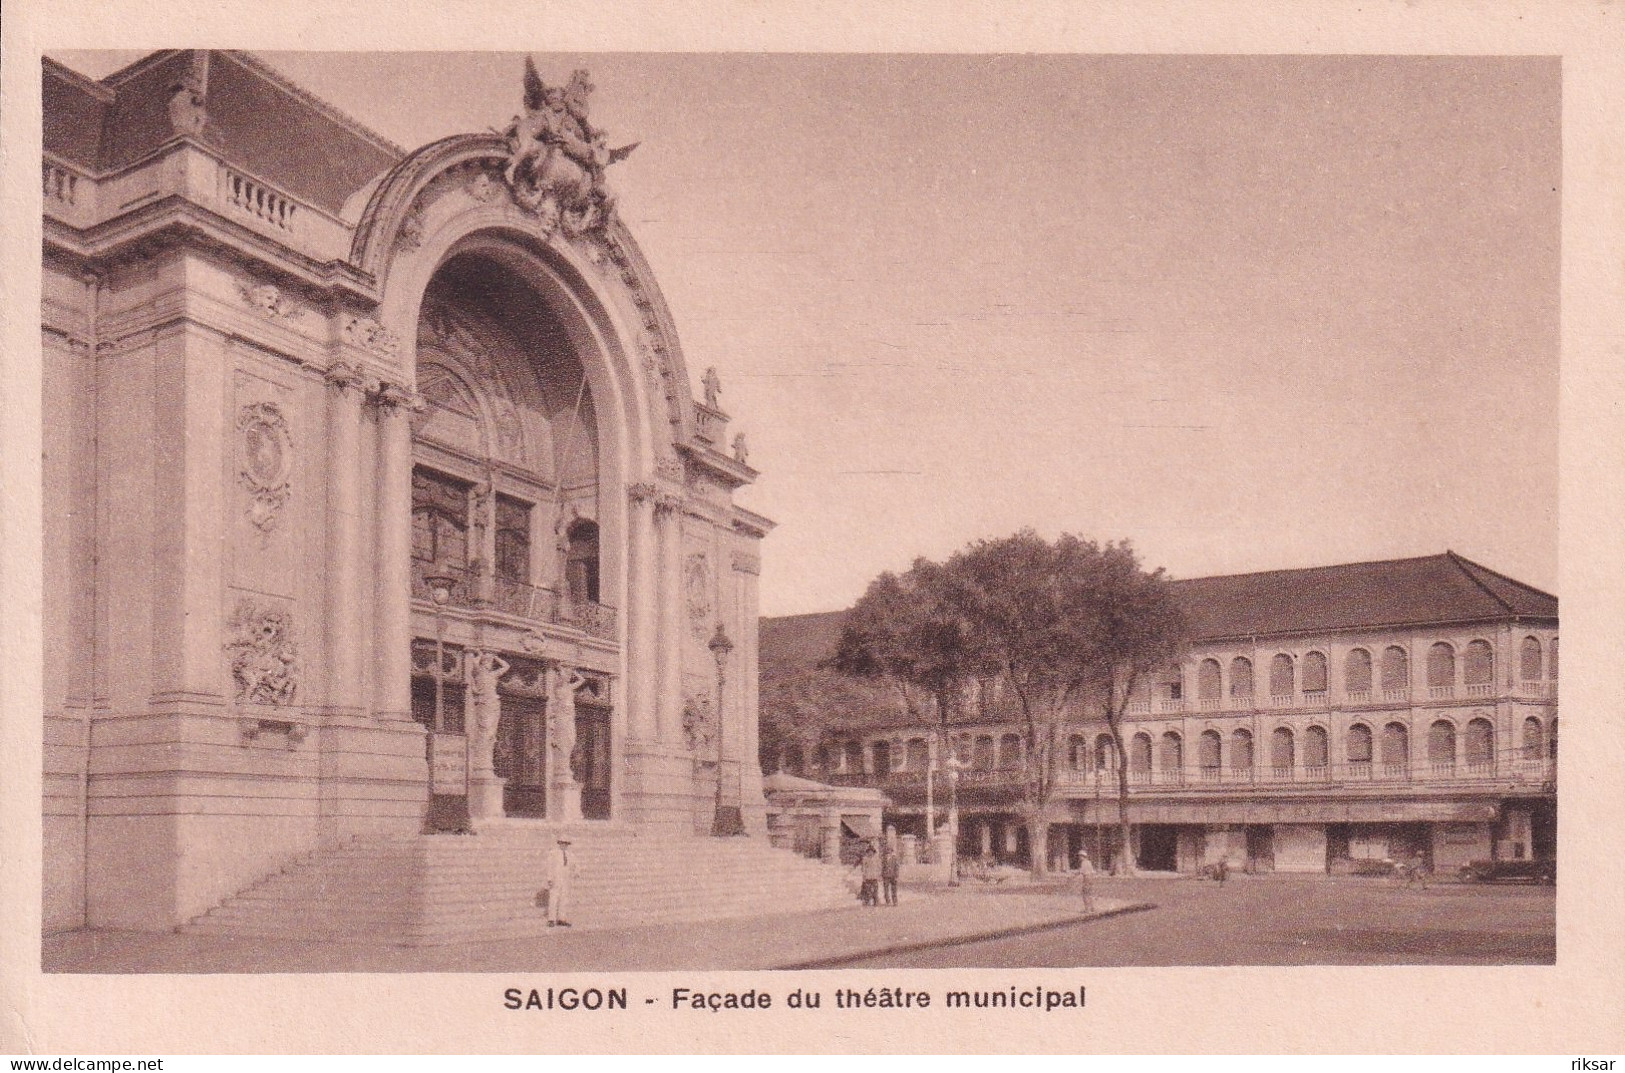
(256, 119)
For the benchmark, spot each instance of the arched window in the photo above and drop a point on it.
(821, 758)
(1241, 750)
(852, 754)
(963, 749)
(1442, 742)
(1105, 753)
(793, 760)
(1396, 669)
(1534, 739)
(1551, 739)
(1315, 748)
(1478, 665)
(1173, 753)
(513, 540)
(1357, 671)
(1441, 666)
(1396, 744)
(1207, 680)
(1551, 664)
(1010, 752)
(1207, 753)
(1139, 755)
(581, 562)
(1241, 679)
(1077, 753)
(1171, 683)
(1480, 743)
(1281, 749)
(983, 760)
(918, 754)
(1314, 672)
(1530, 660)
(1282, 677)
(882, 755)
(1359, 744)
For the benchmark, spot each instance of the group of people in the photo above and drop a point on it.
(879, 869)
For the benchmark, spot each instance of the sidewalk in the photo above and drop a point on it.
(809, 940)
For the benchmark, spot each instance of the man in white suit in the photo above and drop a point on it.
(557, 883)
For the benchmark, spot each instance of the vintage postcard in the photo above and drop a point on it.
(937, 535)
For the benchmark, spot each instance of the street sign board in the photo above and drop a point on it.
(448, 764)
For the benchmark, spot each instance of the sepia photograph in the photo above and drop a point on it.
(541, 512)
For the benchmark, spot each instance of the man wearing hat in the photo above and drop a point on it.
(556, 883)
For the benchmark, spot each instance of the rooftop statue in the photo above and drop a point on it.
(557, 158)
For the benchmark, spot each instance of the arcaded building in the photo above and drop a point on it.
(1323, 720)
(377, 499)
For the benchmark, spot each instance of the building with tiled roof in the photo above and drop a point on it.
(1323, 719)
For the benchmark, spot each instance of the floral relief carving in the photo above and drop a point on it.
(264, 655)
(268, 300)
(368, 334)
(266, 450)
(697, 582)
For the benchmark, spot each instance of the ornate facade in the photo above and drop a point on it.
(1323, 720)
(375, 493)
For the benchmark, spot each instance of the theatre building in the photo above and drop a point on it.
(377, 502)
(1323, 720)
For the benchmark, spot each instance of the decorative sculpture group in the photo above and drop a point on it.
(557, 158)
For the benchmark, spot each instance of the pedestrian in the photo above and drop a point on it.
(869, 894)
(555, 892)
(890, 866)
(1418, 871)
(1221, 869)
(1086, 881)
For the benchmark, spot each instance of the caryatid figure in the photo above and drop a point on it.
(562, 683)
(484, 670)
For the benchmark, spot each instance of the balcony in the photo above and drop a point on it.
(1314, 698)
(1139, 707)
(1444, 692)
(1357, 696)
(1170, 704)
(1212, 704)
(1282, 700)
(471, 589)
(1481, 689)
(1396, 696)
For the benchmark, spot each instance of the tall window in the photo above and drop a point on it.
(852, 754)
(1314, 672)
(1396, 668)
(1480, 742)
(439, 521)
(1442, 742)
(882, 757)
(982, 760)
(1241, 750)
(1207, 751)
(1357, 671)
(1534, 739)
(581, 562)
(1282, 676)
(1077, 753)
(1105, 753)
(1551, 665)
(1171, 685)
(918, 754)
(1359, 744)
(1241, 679)
(1314, 747)
(1530, 658)
(1207, 680)
(1478, 666)
(1396, 744)
(1010, 752)
(513, 540)
(1139, 761)
(1173, 752)
(1281, 750)
(1441, 665)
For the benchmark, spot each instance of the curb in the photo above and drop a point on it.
(959, 940)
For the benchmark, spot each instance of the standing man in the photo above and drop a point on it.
(890, 865)
(870, 892)
(560, 870)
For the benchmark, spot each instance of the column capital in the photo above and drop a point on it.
(343, 376)
(394, 398)
(642, 492)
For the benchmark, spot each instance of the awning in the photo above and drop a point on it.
(858, 826)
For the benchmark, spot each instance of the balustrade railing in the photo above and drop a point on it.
(61, 185)
(254, 198)
(1282, 700)
(1480, 689)
(1315, 698)
(1444, 692)
(1358, 696)
(1212, 704)
(1390, 696)
(1170, 704)
(469, 589)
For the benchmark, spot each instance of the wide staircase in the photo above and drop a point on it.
(434, 889)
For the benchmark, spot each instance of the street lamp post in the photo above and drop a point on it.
(953, 766)
(443, 815)
(727, 819)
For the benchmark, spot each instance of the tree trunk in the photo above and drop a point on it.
(1038, 845)
(1125, 856)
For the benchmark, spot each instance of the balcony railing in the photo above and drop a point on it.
(1481, 689)
(1170, 704)
(1282, 700)
(1391, 696)
(1212, 704)
(1444, 692)
(1509, 769)
(1358, 696)
(470, 589)
(1315, 698)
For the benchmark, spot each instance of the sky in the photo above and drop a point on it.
(1247, 312)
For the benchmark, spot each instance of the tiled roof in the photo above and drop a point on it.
(1396, 592)
(257, 120)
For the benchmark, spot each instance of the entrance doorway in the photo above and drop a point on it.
(592, 749)
(1159, 847)
(520, 756)
(1260, 848)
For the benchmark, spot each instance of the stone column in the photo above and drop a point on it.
(392, 591)
(669, 706)
(640, 614)
(344, 567)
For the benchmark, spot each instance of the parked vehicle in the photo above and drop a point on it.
(1489, 871)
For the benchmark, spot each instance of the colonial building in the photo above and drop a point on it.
(1322, 718)
(376, 497)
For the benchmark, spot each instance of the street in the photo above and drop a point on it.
(1281, 920)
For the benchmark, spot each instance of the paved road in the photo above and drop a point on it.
(1281, 920)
